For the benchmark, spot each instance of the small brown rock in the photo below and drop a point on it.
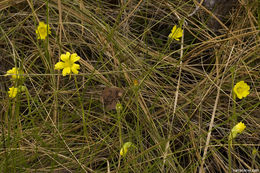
(110, 96)
(221, 9)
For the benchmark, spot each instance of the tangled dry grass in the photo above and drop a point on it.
(177, 101)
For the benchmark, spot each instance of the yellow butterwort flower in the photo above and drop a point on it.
(12, 92)
(239, 128)
(42, 31)
(176, 33)
(15, 73)
(136, 83)
(125, 148)
(241, 89)
(68, 65)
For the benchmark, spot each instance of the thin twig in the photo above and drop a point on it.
(197, 7)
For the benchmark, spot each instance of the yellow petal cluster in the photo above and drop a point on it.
(241, 89)
(15, 73)
(125, 148)
(239, 128)
(42, 30)
(68, 65)
(12, 92)
(176, 33)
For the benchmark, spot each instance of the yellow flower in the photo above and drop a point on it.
(176, 33)
(16, 73)
(239, 128)
(241, 89)
(42, 31)
(125, 147)
(68, 65)
(136, 83)
(12, 92)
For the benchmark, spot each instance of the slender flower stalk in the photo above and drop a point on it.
(119, 107)
(238, 128)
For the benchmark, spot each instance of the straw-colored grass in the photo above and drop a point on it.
(178, 107)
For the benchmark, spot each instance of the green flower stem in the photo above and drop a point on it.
(119, 127)
(82, 109)
(27, 93)
(229, 155)
(118, 111)
(46, 41)
(234, 116)
(233, 120)
(138, 128)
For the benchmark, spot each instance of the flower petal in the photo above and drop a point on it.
(59, 65)
(42, 24)
(239, 96)
(49, 29)
(125, 147)
(12, 92)
(75, 68)
(176, 33)
(15, 73)
(66, 71)
(238, 128)
(174, 29)
(12, 71)
(65, 57)
(245, 93)
(74, 57)
(179, 33)
(42, 30)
